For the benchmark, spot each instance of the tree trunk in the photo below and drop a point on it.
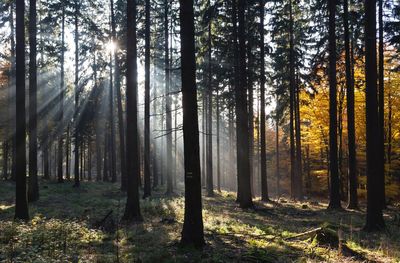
(192, 232)
(168, 118)
(61, 117)
(218, 144)
(242, 120)
(291, 107)
(113, 166)
(76, 117)
(381, 107)
(374, 220)
(209, 166)
(21, 204)
(334, 197)
(263, 157)
(352, 166)
(299, 174)
(147, 179)
(33, 187)
(132, 208)
(278, 192)
(67, 155)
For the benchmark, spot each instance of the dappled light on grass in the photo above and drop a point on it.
(64, 227)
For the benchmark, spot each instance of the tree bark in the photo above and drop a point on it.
(263, 157)
(168, 117)
(374, 220)
(334, 197)
(132, 208)
(192, 232)
(147, 179)
(381, 107)
(76, 117)
(21, 202)
(33, 187)
(242, 120)
(293, 188)
(352, 166)
(61, 113)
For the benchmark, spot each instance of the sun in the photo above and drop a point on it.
(111, 46)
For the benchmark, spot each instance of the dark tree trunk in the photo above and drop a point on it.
(374, 220)
(351, 138)
(61, 116)
(299, 167)
(21, 202)
(67, 155)
(278, 192)
(381, 107)
(236, 79)
(106, 169)
(155, 148)
(111, 142)
(389, 132)
(121, 127)
(33, 187)
(291, 107)
(263, 157)
(5, 159)
(98, 154)
(242, 120)
(76, 117)
(168, 116)
(132, 208)
(334, 197)
(147, 176)
(218, 144)
(209, 166)
(203, 141)
(192, 232)
(11, 92)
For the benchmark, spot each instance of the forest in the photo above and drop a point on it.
(199, 131)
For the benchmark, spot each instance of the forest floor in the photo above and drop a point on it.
(66, 226)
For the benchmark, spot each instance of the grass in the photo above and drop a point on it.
(64, 228)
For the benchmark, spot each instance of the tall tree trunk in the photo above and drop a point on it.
(67, 155)
(374, 220)
(155, 148)
(299, 169)
(113, 165)
(203, 141)
(76, 117)
(168, 117)
(33, 187)
(389, 132)
(334, 197)
(11, 92)
(209, 166)
(21, 204)
(278, 192)
(106, 169)
(381, 107)
(98, 153)
(291, 107)
(132, 208)
(192, 232)
(147, 179)
(263, 157)
(218, 143)
(121, 127)
(352, 166)
(236, 80)
(250, 89)
(61, 116)
(242, 120)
